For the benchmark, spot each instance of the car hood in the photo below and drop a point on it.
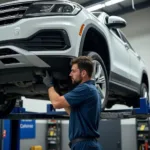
(24, 1)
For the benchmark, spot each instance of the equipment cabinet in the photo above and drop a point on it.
(53, 134)
(143, 133)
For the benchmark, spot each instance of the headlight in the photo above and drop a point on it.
(48, 8)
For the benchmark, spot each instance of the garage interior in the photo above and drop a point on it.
(123, 134)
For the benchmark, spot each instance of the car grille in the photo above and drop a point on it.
(13, 12)
(44, 40)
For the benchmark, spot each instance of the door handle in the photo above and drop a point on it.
(126, 46)
(138, 57)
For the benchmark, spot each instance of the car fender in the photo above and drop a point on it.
(92, 24)
(144, 70)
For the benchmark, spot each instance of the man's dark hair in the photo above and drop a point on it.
(84, 63)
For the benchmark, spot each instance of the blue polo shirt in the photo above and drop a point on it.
(85, 110)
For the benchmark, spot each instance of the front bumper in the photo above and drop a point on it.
(26, 28)
(43, 40)
(21, 47)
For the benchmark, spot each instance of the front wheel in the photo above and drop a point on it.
(100, 77)
(6, 105)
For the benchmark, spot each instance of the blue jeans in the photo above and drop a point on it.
(86, 145)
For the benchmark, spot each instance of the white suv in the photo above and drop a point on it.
(44, 35)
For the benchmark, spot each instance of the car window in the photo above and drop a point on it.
(125, 39)
(116, 32)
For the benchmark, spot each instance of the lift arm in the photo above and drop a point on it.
(21, 113)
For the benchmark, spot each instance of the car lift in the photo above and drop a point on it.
(20, 113)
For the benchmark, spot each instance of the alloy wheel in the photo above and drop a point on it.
(100, 79)
(145, 94)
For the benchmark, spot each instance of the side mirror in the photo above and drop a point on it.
(115, 22)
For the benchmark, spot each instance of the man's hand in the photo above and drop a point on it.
(47, 80)
(56, 100)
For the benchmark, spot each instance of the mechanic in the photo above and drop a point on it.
(82, 104)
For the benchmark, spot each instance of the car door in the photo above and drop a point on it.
(120, 59)
(135, 70)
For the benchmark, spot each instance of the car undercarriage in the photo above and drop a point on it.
(28, 82)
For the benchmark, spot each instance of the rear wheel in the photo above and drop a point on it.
(144, 91)
(100, 76)
(143, 94)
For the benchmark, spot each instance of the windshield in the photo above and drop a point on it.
(97, 14)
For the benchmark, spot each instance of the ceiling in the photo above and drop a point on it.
(123, 7)
(119, 8)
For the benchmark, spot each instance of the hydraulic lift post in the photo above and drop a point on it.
(15, 134)
(1, 133)
(15, 127)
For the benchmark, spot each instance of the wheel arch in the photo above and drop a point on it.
(95, 31)
(145, 78)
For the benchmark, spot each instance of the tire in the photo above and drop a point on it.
(143, 88)
(96, 57)
(6, 108)
(143, 91)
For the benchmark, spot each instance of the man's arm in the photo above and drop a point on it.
(57, 100)
(70, 99)
(68, 110)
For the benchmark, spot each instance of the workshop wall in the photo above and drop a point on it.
(40, 139)
(128, 129)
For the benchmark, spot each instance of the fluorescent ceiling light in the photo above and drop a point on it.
(98, 6)
(102, 5)
(112, 2)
